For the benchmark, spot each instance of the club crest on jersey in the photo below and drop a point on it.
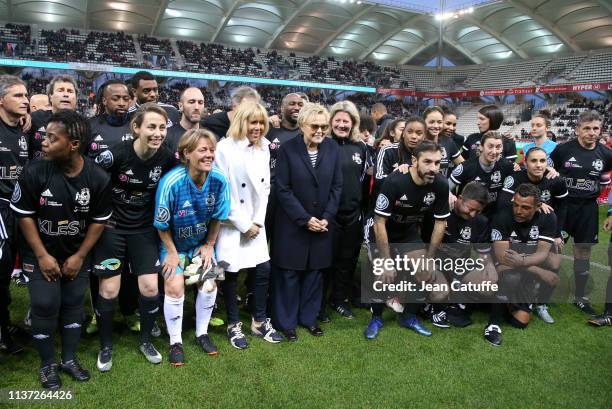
(597, 165)
(357, 159)
(429, 198)
(83, 197)
(382, 202)
(155, 174)
(496, 176)
(458, 170)
(545, 196)
(23, 144)
(466, 233)
(443, 150)
(534, 233)
(508, 182)
(210, 200)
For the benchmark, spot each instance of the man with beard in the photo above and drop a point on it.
(13, 156)
(403, 201)
(62, 91)
(522, 241)
(219, 123)
(145, 88)
(191, 104)
(111, 125)
(582, 162)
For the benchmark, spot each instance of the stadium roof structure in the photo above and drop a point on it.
(386, 31)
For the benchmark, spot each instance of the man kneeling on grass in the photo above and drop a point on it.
(522, 241)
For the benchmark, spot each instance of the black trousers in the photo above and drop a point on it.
(296, 298)
(347, 243)
(261, 274)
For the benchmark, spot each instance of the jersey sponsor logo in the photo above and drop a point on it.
(496, 235)
(403, 197)
(47, 193)
(186, 204)
(545, 196)
(123, 178)
(597, 165)
(83, 197)
(190, 231)
(98, 138)
(508, 182)
(275, 140)
(496, 176)
(94, 146)
(466, 233)
(111, 264)
(127, 137)
(42, 201)
(274, 146)
(429, 198)
(16, 193)
(129, 172)
(105, 159)
(382, 202)
(357, 159)
(63, 228)
(10, 173)
(585, 185)
(163, 215)
(155, 174)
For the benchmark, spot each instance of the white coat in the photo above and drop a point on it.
(247, 169)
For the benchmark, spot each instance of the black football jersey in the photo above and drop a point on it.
(471, 147)
(450, 152)
(104, 136)
(552, 190)
(13, 157)
(523, 237)
(62, 206)
(462, 235)
(405, 203)
(38, 132)
(134, 184)
(173, 136)
(582, 168)
(277, 137)
(471, 170)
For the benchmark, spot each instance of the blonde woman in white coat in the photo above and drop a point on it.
(244, 157)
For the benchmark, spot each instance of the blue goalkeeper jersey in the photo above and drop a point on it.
(187, 210)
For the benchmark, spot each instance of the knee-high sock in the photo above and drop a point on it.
(581, 276)
(149, 307)
(173, 312)
(205, 303)
(105, 309)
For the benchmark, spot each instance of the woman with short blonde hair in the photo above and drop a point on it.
(246, 113)
(351, 110)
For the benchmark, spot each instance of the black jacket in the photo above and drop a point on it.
(355, 160)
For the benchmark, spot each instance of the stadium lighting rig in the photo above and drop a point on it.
(453, 14)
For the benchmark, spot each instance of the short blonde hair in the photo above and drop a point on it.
(309, 112)
(190, 139)
(246, 112)
(351, 110)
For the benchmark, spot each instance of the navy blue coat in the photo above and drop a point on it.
(303, 192)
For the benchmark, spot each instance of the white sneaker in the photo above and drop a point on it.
(542, 311)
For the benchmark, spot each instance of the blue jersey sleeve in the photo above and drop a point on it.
(164, 200)
(222, 207)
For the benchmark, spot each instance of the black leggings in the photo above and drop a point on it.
(52, 301)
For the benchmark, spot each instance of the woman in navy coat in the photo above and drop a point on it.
(308, 187)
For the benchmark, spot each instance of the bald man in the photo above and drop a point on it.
(39, 102)
(191, 105)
